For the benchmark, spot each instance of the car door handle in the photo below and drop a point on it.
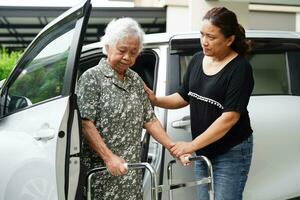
(182, 123)
(44, 134)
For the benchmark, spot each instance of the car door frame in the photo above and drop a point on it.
(72, 148)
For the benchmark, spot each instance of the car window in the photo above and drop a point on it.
(41, 74)
(184, 61)
(270, 74)
(269, 71)
(145, 64)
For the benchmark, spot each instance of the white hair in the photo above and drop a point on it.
(119, 29)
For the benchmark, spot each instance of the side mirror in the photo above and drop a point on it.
(18, 102)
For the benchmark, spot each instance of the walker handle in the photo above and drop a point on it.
(187, 158)
(126, 166)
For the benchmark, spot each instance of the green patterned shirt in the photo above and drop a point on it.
(119, 109)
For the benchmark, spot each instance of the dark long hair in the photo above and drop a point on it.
(227, 21)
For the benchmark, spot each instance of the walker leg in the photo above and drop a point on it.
(154, 192)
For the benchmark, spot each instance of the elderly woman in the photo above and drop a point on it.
(114, 109)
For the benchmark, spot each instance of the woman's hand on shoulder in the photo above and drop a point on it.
(150, 94)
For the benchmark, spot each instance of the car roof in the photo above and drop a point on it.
(166, 37)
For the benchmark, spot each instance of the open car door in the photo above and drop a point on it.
(39, 120)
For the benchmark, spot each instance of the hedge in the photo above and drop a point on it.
(7, 61)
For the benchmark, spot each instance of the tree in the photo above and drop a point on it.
(7, 61)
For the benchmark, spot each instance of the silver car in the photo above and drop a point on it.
(40, 123)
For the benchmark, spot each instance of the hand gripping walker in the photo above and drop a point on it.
(154, 193)
(155, 188)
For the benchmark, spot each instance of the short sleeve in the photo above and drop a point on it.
(184, 88)
(87, 95)
(148, 112)
(240, 88)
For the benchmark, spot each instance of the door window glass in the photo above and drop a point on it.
(270, 75)
(184, 61)
(294, 69)
(41, 73)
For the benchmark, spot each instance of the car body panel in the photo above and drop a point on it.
(275, 165)
(31, 153)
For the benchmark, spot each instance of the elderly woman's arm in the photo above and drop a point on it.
(114, 163)
(156, 130)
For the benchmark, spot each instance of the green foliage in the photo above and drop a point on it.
(42, 79)
(7, 62)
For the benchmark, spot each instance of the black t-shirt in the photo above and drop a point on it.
(211, 95)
